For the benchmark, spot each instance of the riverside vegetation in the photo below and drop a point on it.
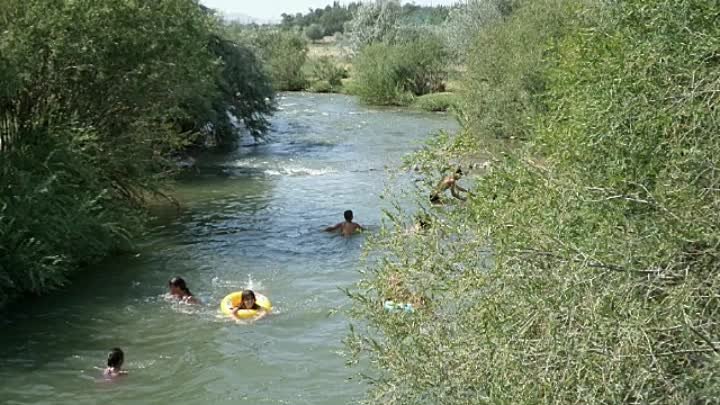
(97, 99)
(586, 267)
(386, 54)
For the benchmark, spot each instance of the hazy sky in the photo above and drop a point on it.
(271, 9)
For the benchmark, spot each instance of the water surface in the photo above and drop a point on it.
(250, 216)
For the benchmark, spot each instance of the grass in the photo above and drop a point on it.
(436, 102)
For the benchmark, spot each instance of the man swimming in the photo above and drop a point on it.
(448, 182)
(348, 227)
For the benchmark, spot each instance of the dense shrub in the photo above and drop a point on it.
(393, 74)
(376, 76)
(585, 268)
(96, 97)
(284, 54)
(314, 32)
(326, 74)
(506, 65)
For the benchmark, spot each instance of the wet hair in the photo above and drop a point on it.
(115, 358)
(248, 294)
(179, 283)
(348, 215)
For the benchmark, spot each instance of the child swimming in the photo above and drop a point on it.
(179, 291)
(249, 302)
(115, 360)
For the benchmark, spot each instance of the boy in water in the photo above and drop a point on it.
(448, 182)
(348, 227)
(115, 360)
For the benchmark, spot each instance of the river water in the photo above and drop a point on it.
(250, 217)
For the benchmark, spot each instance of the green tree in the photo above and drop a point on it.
(372, 23)
(284, 53)
(314, 32)
(244, 92)
(90, 100)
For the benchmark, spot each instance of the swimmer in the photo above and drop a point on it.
(348, 227)
(248, 302)
(179, 291)
(115, 360)
(449, 182)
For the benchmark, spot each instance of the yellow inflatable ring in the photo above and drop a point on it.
(232, 300)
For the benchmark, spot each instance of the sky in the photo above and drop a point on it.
(271, 9)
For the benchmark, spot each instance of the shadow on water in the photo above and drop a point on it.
(252, 216)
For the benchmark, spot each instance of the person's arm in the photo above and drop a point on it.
(192, 300)
(457, 186)
(333, 228)
(455, 194)
(261, 314)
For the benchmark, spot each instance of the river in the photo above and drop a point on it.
(252, 216)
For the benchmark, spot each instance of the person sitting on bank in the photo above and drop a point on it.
(348, 227)
(449, 182)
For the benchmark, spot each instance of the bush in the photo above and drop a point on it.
(314, 32)
(326, 74)
(322, 87)
(436, 102)
(464, 23)
(394, 74)
(284, 54)
(586, 267)
(424, 64)
(506, 66)
(376, 76)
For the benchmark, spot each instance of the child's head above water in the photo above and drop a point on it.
(178, 287)
(348, 215)
(115, 359)
(248, 299)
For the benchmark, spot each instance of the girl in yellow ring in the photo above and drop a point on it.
(248, 302)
